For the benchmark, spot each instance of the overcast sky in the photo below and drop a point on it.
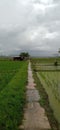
(29, 25)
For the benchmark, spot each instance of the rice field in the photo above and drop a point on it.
(52, 80)
(13, 78)
(49, 76)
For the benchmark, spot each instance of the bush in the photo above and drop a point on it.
(55, 63)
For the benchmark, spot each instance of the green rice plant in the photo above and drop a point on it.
(12, 100)
(52, 81)
(4, 79)
(49, 77)
(7, 70)
(7, 66)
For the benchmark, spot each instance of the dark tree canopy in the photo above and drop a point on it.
(24, 54)
(59, 50)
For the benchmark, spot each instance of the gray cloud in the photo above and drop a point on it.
(29, 25)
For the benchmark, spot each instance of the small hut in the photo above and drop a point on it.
(23, 56)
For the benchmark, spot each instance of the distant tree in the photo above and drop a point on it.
(24, 55)
(56, 62)
(59, 51)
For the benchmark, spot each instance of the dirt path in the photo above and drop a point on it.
(34, 117)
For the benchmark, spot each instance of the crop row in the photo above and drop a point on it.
(7, 70)
(9, 66)
(47, 67)
(52, 81)
(44, 60)
(5, 79)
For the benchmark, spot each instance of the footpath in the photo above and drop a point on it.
(34, 116)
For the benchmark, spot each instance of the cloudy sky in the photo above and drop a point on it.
(32, 25)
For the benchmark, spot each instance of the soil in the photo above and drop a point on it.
(34, 117)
